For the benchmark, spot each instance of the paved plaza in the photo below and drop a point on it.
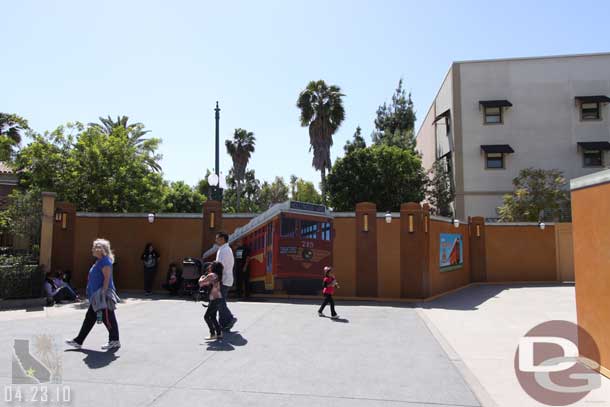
(455, 351)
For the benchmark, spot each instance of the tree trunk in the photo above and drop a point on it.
(238, 193)
(322, 186)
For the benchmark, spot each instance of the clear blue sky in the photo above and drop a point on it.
(165, 63)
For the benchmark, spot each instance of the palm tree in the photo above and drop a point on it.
(322, 110)
(135, 134)
(11, 127)
(240, 150)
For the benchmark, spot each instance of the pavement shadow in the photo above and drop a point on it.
(470, 298)
(228, 343)
(343, 320)
(96, 359)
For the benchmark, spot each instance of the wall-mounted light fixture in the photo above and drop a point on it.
(64, 221)
(388, 217)
(151, 218)
(456, 223)
(541, 225)
(478, 230)
(410, 218)
(365, 220)
(58, 215)
(426, 224)
(212, 220)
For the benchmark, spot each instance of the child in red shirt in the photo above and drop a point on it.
(330, 282)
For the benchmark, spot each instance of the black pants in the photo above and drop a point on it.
(64, 294)
(210, 317)
(149, 278)
(109, 320)
(328, 299)
(172, 288)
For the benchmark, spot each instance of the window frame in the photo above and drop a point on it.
(502, 159)
(293, 234)
(586, 152)
(309, 230)
(500, 115)
(597, 110)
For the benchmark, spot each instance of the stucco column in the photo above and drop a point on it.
(414, 250)
(366, 249)
(46, 232)
(212, 223)
(478, 261)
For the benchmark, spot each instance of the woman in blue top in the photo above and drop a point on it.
(100, 277)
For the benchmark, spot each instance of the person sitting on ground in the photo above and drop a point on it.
(55, 289)
(66, 277)
(173, 281)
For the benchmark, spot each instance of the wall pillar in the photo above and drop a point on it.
(414, 250)
(46, 231)
(64, 230)
(212, 223)
(478, 259)
(366, 249)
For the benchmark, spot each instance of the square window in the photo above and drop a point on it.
(309, 230)
(593, 158)
(589, 111)
(494, 160)
(493, 115)
(288, 227)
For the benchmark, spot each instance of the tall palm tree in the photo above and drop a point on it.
(135, 135)
(322, 111)
(240, 150)
(11, 128)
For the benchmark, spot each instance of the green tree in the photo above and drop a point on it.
(240, 149)
(395, 124)
(12, 128)
(94, 170)
(181, 198)
(135, 135)
(305, 191)
(385, 175)
(250, 194)
(537, 195)
(22, 216)
(203, 187)
(357, 142)
(273, 193)
(322, 111)
(440, 189)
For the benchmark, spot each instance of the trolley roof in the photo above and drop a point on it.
(294, 207)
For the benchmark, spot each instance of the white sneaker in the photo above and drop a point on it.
(74, 344)
(320, 314)
(112, 345)
(211, 338)
(335, 317)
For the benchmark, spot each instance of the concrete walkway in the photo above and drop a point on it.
(282, 354)
(482, 325)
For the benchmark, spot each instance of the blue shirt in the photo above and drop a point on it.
(96, 276)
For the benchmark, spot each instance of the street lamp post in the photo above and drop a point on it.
(214, 179)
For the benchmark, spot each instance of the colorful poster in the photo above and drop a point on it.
(451, 252)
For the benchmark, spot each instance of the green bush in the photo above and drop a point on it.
(18, 279)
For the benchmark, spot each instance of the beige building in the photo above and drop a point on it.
(490, 119)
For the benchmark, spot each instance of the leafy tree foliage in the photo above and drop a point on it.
(440, 189)
(394, 125)
(357, 142)
(538, 195)
(385, 175)
(12, 128)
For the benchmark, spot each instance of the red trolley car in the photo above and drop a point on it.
(289, 245)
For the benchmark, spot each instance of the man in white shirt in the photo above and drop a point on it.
(225, 256)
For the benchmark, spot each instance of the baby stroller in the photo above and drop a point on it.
(191, 271)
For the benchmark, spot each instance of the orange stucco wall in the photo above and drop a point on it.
(174, 239)
(388, 258)
(520, 253)
(591, 233)
(344, 255)
(443, 281)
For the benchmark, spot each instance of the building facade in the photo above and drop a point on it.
(490, 119)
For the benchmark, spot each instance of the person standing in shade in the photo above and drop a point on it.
(329, 284)
(102, 297)
(150, 259)
(224, 255)
(241, 271)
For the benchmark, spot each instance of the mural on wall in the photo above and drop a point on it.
(451, 251)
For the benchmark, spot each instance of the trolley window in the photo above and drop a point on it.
(269, 234)
(289, 227)
(309, 229)
(326, 231)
